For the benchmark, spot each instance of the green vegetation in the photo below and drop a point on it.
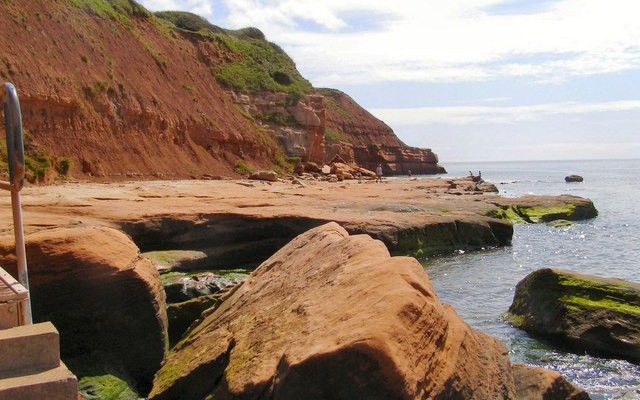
(120, 10)
(599, 292)
(278, 118)
(105, 387)
(535, 214)
(242, 168)
(259, 66)
(63, 166)
(188, 21)
(36, 167)
(96, 88)
(330, 99)
(331, 134)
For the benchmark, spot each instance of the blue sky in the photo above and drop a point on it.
(474, 80)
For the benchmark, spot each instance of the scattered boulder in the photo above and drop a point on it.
(269, 176)
(312, 167)
(384, 334)
(544, 384)
(573, 178)
(582, 312)
(105, 299)
(487, 187)
(182, 288)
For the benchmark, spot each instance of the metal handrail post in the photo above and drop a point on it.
(15, 158)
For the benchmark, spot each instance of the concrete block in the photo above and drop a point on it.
(54, 384)
(29, 348)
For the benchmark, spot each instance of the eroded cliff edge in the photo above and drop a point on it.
(111, 91)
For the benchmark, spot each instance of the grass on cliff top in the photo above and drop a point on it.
(260, 66)
(120, 10)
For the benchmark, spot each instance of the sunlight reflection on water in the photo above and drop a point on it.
(480, 285)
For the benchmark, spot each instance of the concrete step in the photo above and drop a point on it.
(31, 348)
(54, 384)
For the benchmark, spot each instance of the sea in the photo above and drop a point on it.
(480, 284)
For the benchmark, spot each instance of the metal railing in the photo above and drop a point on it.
(15, 161)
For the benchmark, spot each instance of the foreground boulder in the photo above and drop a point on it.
(587, 313)
(106, 300)
(333, 316)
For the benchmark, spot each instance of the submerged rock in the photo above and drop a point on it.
(333, 316)
(584, 312)
(573, 178)
(543, 384)
(105, 299)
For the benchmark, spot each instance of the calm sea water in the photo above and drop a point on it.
(480, 285)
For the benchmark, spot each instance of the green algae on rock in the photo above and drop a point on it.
(536, 209)
(106, 387)
(583, 312)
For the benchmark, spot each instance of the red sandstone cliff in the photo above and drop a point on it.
(111, 91)
(357, 136)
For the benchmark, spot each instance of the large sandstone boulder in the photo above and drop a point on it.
(105, 299)
(333, 316)
(587, 313)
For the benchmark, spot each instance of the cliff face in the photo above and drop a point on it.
(111, 91)
(119, 94)
(357, 136)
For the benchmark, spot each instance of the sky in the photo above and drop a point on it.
(473, 80)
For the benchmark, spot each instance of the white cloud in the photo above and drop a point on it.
(467, 115)
(438, 40)
(450, 41)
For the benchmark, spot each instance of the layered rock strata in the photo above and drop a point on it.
(360, 138)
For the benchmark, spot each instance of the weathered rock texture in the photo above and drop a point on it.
(360, 138)
(333, 316)
(106, 300)
(586, 313)
(543, 384)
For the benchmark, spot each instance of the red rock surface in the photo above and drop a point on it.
(333, 316)
(364, 140)
(539, 383)
(121, 99)
(129, 97)
(106, 300)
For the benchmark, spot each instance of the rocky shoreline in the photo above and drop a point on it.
(222, 218)
(109, 298)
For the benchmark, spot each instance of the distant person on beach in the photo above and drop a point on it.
(379, 173)
(409, 173)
